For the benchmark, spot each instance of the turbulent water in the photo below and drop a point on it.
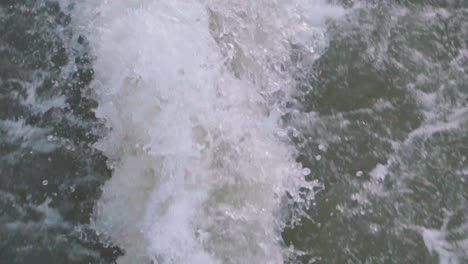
(216, 131)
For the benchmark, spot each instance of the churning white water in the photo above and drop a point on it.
(193, 93)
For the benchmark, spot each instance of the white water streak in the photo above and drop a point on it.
(186, 87)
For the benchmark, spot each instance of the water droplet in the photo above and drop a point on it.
(318, 157)
(374, 228)
(45, 182)
(322, 147)
(359, 173)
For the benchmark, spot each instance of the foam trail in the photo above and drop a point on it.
(190, 92)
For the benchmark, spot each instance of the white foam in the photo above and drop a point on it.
(186, 87)
(442, 242)
(30, 137)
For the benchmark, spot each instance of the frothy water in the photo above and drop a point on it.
(218, 131)
(193, 93)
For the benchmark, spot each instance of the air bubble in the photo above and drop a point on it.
(374, 228)
(45, 182)
(306, 171)
(322, 147)
(359, 173)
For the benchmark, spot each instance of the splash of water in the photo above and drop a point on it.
(193, 92)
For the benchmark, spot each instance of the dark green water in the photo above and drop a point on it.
(50, 175)
(382, 122)
(389, 101)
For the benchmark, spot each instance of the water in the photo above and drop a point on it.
(217, 131)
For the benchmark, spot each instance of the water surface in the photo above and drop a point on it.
(217, 131)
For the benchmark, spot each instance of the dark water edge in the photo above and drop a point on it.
(365, 95)
(50, 174)
(383, 98)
